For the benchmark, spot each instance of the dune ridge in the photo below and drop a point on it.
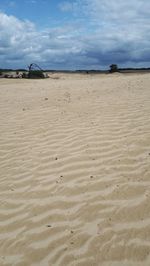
(75, 171)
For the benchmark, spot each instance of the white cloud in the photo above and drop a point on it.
(21, 43)
(100, 33)
(116, 30)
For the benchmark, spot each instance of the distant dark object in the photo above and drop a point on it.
(1, 73)
(35, 72)
(113, 68)
(24, 75)
(6, 76)
(34, 66)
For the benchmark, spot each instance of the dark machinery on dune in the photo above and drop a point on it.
(36, 72)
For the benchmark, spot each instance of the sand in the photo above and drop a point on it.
(75, 170)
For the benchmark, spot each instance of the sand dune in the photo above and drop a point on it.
(75, 171)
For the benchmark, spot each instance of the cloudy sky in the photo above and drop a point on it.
(74, 34)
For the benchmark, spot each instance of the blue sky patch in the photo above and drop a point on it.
(79, 34)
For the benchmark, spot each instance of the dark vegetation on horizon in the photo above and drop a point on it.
(34, 71)
(78, 70)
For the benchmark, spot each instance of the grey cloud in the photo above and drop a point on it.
(114, 32)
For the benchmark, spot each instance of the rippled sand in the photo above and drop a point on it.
(75, 171)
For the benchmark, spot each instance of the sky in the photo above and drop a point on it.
(74, 34)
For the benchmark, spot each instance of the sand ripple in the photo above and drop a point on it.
(75, 174)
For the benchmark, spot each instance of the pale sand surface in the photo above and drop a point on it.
(75, 171)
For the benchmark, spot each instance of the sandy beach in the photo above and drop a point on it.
(75, 170)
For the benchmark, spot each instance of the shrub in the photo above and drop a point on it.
(113, 68)
(35, 74)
